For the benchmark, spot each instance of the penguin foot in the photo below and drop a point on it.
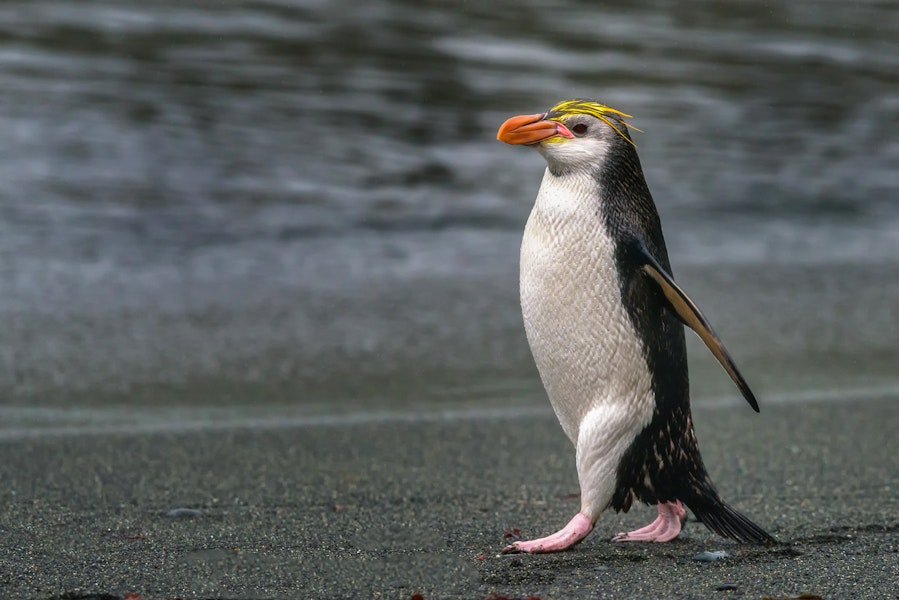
(665, 528)
(576, 530)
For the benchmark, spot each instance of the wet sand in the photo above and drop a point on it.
(399, 507)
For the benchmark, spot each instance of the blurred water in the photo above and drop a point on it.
(306, 198)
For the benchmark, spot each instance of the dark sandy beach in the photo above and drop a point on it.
(399, 508)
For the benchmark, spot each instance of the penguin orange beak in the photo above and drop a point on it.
(530, 129)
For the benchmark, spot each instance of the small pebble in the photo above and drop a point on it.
(183, 513)
(710, 556)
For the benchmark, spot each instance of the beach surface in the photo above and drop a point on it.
(411, 504)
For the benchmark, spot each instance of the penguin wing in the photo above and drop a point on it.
(687, 311)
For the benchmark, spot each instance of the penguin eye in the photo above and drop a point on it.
(579, 129)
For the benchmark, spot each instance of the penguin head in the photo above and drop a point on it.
(574, 135)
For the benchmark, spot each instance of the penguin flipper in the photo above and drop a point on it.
(687, 311)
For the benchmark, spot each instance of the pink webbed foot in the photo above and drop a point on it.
(665, 528)
(576, 530)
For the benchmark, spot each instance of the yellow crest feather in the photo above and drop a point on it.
(591, 107)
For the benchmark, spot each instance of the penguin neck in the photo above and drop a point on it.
(573, 199)
(612, 176)
(613, 189)
(577, 183)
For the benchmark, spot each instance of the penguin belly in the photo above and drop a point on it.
(589, 356)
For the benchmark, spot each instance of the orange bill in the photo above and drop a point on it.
(530, 129)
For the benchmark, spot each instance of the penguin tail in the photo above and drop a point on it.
(728, 522)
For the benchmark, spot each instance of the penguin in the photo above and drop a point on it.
(605, 320)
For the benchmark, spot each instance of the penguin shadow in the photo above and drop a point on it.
(596, 555)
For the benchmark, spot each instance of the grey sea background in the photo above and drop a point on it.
(236, 215)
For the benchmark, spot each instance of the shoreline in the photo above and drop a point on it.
(28, 422)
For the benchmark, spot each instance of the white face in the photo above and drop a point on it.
(588, 148)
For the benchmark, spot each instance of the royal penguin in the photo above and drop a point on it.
(604, 320)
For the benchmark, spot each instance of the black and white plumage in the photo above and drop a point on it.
(604, 319)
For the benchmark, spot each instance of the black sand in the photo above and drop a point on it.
(396, 509)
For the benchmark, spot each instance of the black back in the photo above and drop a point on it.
(629, 215)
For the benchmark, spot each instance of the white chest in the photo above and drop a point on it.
(583, 342)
